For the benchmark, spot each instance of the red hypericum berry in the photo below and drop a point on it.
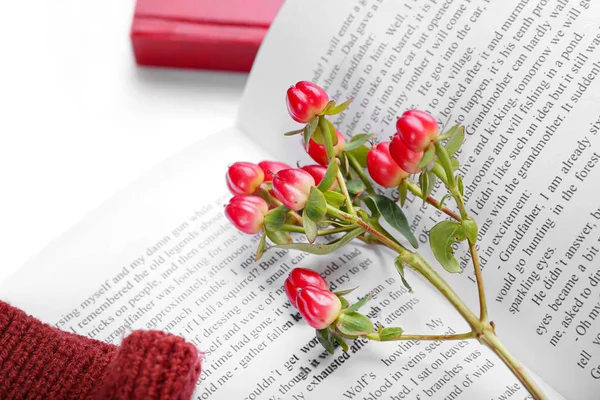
(244, 178)
(247, 213)
(417, 129)
(319, 307)
(318, 153)
(318, 172)
(406, 159)
(270, 168)
(382, 167)
(292, 186)
(301, 278)
(305, 100)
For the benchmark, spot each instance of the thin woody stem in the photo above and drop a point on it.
(460, 336)
(412, 186)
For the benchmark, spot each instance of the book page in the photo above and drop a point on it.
(161, 255)
(522, 76)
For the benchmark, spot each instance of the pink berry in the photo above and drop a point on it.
(301, 278)
(244, 178)
(318, 152)
(292, 187)
(318, 172)
(247, 213)
(319, 307)
(382, 167)
(306, 100)
(417, 129)
(406, 159)
(270, 168)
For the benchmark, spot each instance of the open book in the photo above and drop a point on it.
(521, 75)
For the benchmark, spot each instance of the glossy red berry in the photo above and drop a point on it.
(301, 278)
(318, 153)
(417, 129)
(382, 167)
(244, 178)
(270, 168)
(292, 187)
(319, 307)
(406, 159)
(318, 172)
(247, 213)
(306, 100)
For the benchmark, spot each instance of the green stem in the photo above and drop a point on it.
(326, 137)
(324, 232)
(412, 186)
(490, 339)
(344, 189)
(460, 336)
(361, 172)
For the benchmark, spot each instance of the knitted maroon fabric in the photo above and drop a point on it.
(38, 361)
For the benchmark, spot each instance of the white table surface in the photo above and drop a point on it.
(78, 119)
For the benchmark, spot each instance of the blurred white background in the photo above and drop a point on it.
(78, 119)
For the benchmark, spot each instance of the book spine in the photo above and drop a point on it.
(180, 44)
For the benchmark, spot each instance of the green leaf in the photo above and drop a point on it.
(334, 199)
(444, 200)
(294, 132)
(461, 187)
(354, 307)
(393, 215)
(332, 132)
(470, 227)
(392, 333)
(360, 154)
(358, 140)
(342, 300)
(354, 324)
(328, 107)
(345, 291)
(309, 129)
(457, 137)
(455, 164)
(279, 237)
(441, 238)
(341, 342)
(316, 205)
(329, 177)
(399, 264)
(424, 183)
(355, 186)
(403, 192)
(321, 249)
(276, 217)
(427, 157)
(262, 246)
(263, 194)
(323, 337)
(340, 108)
(310, 227)
(445, 162)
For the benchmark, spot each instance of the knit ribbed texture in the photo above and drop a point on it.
(38, 361)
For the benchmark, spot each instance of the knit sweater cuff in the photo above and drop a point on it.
(40, 361)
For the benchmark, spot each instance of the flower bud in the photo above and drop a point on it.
(406, 159)
(247, 213)
(244, 178)
(270, 168)
(305, 100)
(319, 307)
(417, 129)
(318, 172)
(292, 187)
(318, 152)
(382, 167)
(301, 278)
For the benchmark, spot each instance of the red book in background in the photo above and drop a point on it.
(202, 34)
